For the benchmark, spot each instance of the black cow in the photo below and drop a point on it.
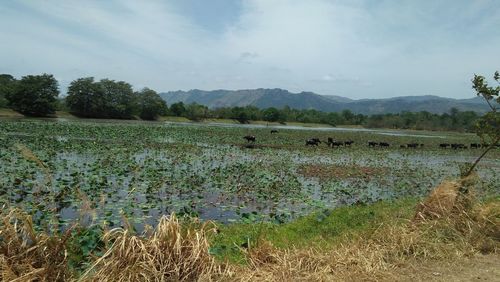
(402, 146)
(348, 143)
(444, 145)
(475, 145)
(274, 131)
(312, 142)
(458, 146)
(249, 138)
(337, 144)
(372, 144)
(329, 141)
(412, 145)
(383, 144)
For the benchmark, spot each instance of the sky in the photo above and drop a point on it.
(352, 48)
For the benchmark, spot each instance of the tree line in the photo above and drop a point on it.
(39, 95)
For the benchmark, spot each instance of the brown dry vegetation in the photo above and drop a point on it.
(448, 226)
(325, 172)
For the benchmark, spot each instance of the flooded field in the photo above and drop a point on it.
(103, 172)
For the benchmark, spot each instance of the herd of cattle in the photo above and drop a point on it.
(347, 143)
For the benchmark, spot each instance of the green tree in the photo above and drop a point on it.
(272, 114)
(488, 126)
(85, 98)
(104, 99)
(178, 109)
(119, 99)
(240, 114)
(151, 105)
(7, 86)
(35, 95)
(196, 112)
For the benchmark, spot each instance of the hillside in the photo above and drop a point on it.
(264, 98)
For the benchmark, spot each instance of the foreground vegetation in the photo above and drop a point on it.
(367, 242)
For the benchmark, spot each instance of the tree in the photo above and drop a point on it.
(7, 86)
(178, 109)
(35, 95)
(196, 112)
(272, 114)
(119, 99)
(151, 105)
(488, 126)
(104, 99)
(84, 98)
(240, 114)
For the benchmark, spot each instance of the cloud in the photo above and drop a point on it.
(358, 49)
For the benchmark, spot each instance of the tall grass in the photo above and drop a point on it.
(449, 224)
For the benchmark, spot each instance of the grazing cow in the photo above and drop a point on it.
(249, 138)
(329, 141)
(337, 143)
(372, 144)
(412, 145)
(348, 143)
(312, 142)
(475, 145)
(274, 131)
(383, 144)
(421, 145)
(458, 146)
(402, 146)
(444, 145)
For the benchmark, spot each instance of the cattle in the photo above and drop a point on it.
(421, 145)
(348, 143)
(372, 144)
(458, 146)
(475, 145)
(444, 145)
(402, 146)
(249, 138)
(312, 142)
(337, 144)
(274, 131)
(412, 145)
(383, 144)
(329, 141)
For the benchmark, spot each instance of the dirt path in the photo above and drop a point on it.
(478, 268)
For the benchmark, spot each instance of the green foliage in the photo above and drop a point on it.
(197, 112)
(7, 87)
(178, 109)
(488, 126)
(320, 229)
(151, 105)
(84, 98)
(34, 95)
(104, 99)
(273, 115)
(85, 244)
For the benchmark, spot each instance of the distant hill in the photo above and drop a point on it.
(265, 98)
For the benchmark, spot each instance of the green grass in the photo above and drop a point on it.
(320, 230)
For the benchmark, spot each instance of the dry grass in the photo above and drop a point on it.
(172, 252)
(447, 225)
(26, 255)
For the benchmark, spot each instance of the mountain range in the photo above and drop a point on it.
(278, 98)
